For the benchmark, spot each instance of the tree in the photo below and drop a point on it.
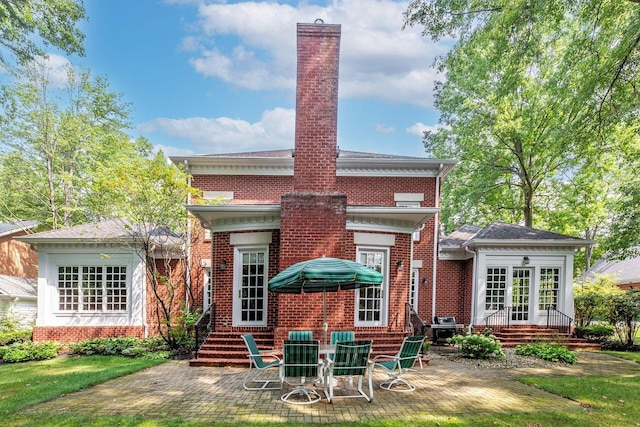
(54, 21)
(536, 94)
(148, 195)
(624, 315)
(53, 140)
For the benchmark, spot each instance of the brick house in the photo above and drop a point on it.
(275, 208)
(282, 207)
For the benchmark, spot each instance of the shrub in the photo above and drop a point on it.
(26, 351)
(594, 333)
(478, 346)
(9, 337)
(124, 346)
(550, 352)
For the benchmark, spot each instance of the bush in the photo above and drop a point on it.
(124, 346)
(594, 333)
(550, 352)
(478, 346)
(10, 337)
(26, 351)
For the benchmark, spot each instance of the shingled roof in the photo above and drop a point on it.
(17, 287)
(8, 228)
(625, 270)
(502, 234)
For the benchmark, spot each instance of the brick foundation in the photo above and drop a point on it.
(65, 334)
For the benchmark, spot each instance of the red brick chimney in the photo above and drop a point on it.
(316, 108)
(313, 218)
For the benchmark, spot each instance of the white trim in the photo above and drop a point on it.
(370, 239)
(408, 197)
(224, 196)
(263, 238)
(237, 280)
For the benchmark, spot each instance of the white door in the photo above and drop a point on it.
(372, 303)
(250, 287)
(520, 294)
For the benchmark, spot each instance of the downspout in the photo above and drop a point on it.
(473, 288)
(188, 254)
(436, 224)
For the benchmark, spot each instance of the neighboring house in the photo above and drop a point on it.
(17, 258)
(626, 272)
(92, 283)
(18, 299)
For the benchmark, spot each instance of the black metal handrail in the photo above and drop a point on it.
(204, 326)
(413, 323)
(558, 320)
(499, 320)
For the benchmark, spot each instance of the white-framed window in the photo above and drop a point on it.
(549, 288)
(92, 288)
(207, 286)
(413, 289)
(496, 288)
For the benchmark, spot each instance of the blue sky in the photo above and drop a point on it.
(216, 77)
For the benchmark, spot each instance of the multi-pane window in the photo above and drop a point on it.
(549, 286)
(413, 289)
(496, 288)
(207, 288)
(92, 288)
(253, 287)
(68, 292)
(116, 288)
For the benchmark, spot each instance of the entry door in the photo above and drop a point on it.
(371, 303)
(520, 294)
(250, 287)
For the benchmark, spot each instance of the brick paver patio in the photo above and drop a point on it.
(443, 389)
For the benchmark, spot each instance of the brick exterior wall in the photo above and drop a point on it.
(17, 258)
(66, 334)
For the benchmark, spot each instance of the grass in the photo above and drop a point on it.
(25, 384)
(634, 356)
(611, 401)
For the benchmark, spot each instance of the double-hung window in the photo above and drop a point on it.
(92, 288)
(549, 287)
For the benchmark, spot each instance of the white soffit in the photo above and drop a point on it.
(283, 166)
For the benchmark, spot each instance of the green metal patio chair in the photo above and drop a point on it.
(254, 380)
(398, 365)
(300, 361)
(350, 360)
(300, 335)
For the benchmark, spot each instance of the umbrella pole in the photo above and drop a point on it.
(325, 326)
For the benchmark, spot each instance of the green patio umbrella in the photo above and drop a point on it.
(324, 275)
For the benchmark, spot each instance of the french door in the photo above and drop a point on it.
(520, 294)
(371, 303)
(250, 287)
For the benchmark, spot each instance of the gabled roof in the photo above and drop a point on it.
(107, 231)
(17, 287)
(280, 163)
(625, 270)
(7, 228)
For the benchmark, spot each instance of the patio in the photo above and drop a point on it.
(443, 389)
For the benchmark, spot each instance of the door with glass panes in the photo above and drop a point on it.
(250, 287)
(372, 303)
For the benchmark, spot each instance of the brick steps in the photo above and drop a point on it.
(228, 348)
(515, 335)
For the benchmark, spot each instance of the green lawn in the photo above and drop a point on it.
(603, 401)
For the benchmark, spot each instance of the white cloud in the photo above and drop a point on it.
(384, 128)
(419, 129)
(55, 68)
(253, 45)
(275, 130)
